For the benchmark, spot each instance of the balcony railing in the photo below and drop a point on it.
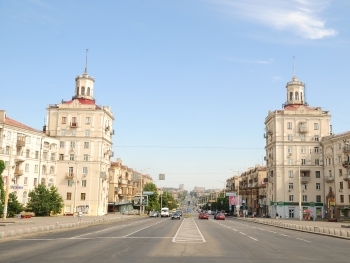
(346, 164)
(329, 179)
(305, 179)
(346, 177)
(303, 129)
(18, 172)
(73, 124)
(346, 149)
(20, 143)
(69, 175)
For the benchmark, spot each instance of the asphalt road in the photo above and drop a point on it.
(185, 240)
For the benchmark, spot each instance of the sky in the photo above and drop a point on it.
(190, 82)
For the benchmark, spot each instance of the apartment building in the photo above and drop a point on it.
(84, 133)
(337, 174)
(294, 161)
(29, 156)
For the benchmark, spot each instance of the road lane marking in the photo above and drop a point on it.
(188, 232)
(304, 240)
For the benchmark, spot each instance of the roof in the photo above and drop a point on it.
(81, 101)
(297, 106)
(9, 121)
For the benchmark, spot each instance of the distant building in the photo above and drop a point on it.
(181, 187)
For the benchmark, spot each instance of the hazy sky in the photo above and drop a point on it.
(190, 82)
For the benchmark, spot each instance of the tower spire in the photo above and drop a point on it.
(86, 61)
(294, 66)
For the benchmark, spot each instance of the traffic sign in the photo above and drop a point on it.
(230, 194)
(148, 193)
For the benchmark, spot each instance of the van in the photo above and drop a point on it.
(164, 212)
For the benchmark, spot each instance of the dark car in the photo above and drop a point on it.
(220, 216)
(176, 215)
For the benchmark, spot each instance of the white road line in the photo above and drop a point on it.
(253, 238)
(304, 240)
(284, 235)
(188, 232)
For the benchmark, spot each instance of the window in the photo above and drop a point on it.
(304, 187)
(61, 144)
(290, 187)
(70, 171)
(303, 161)
(53, 157)
(290, 161)
(290, 149)
(35, 181)
(69, 196)
(318, 198)
(302, 137)
(24, 197)
(86, 145)
(339, 159)
(316, 138)
(318, 186)
(74, 121)
(45, 155)
(61, 157)
(316, 149)
(36, 168)
(87, 133)
(71, 157)
(330, 173)
(289, 125)
(290, 174)
(86, 157)
(85, 170)
(318, 174)
(341, 198)
(36, 155)
(70, 182)
(52, 170)
(27, 153)
(74, 132)
(303, 149)
(26, 169)
(83, 183)
(63, 132)
(7, 150)
(315, 126)
(304, 198)
(317, 161)
(87, 120)
(340, 172)
(339, 146)
(64, 120)
(25, 180)
(72, 145)
(341, 185)
(82, 196)
(291, 198)
(290, 137)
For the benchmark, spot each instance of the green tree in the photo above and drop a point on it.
(43, 201)
(153, 203)
(2, 189)
(14, 207)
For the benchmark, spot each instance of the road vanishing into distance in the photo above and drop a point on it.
(186, 240)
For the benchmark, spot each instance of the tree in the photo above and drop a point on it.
(152, 199)
(43, 201)
(2, 189)
(14, 207)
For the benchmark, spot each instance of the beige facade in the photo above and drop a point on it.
(337, 174)
(29, 155)
(293, 148)
(84, 133)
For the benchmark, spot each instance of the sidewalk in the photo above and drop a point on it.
(14, 227)
(335, 229)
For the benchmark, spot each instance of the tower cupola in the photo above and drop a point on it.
(295, 92)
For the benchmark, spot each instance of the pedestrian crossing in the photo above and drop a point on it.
(188, 232)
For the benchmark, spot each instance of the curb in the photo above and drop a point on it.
(29, 231)
(343, 234)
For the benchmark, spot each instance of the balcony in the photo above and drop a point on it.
(123, 181)
(346, 177)
(346, 149)
(303, 129)
(19, 158)
(73, 124)
(329, 179)
(21, 142)
(346, 164)
(305, 179)
(18, 172)
(69, 175)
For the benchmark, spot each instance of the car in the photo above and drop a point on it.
(164, 212)
(203, 216)
(154, 214)
(220, 216)
(176, 215)
(180, 212)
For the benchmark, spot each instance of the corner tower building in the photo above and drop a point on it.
(84, 131)
(294, 157)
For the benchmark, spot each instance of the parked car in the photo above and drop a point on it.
(154, 214)
(176, 215)
(220, 216)
(203, 215)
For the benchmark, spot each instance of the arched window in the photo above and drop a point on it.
(88, 91)
(44, 169)
(83, 90)
(301, 96)
(52, 170)
(50, 183)
(43, 181)
(24, 198)
(77, 91)
(297, 95)
(290, 95)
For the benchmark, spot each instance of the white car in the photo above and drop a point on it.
(164, 212)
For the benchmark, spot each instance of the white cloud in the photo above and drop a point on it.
(301, 17)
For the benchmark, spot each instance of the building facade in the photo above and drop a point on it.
(294, 155)
(84, 133)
